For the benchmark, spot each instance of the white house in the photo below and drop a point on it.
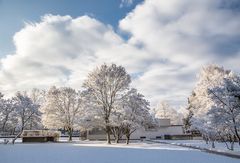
(164, 131)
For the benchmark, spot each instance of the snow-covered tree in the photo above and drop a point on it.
(187, 118)
(134, 112)
(200, 101)
(164, 110)
(8, 118)
(62, 109)
(25, 110)
(103, 88)
(226, 110)
(38, 98)
(18, 113)
(91, 115)
(117, 125)
(130, 114)
(215, 103)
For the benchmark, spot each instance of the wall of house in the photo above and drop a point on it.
(141, 133)
(164, 122)
(153, 134)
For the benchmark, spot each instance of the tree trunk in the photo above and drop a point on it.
(70, 131)
(108, 130)
(232, 146)
(24, 123)
(4, 123)
(114, 132)
(232, 139)
(70, 137)
(206, 140)
(17, 136)
(236, 131)
(31, 125)
(128, 138)
(127, 133)
(213, 144)
(118, 135)
(3, 127)
(22, 128)
(13, 131)
(117, 139)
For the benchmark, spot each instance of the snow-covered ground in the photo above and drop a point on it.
(201, 143)
(100, 152)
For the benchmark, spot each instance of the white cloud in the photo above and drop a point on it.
(126, 3)
(169, 42)
(186, 34)
(61, 50)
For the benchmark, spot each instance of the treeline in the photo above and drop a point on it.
(105, 101)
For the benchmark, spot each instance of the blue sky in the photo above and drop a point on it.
(13, 14)
(163, 44)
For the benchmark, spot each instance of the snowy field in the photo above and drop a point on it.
(201, 143)
(99, 152)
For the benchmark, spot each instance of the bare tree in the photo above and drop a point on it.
(38, 97)
(7, 113)
(25, 109)
(62, 109)
(103, 87)
(135, 113)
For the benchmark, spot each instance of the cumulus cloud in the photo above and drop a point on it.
(169, 42)
(186, 34)
(61, 50)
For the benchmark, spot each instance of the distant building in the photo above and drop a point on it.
(40, 136)
(164, 131)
